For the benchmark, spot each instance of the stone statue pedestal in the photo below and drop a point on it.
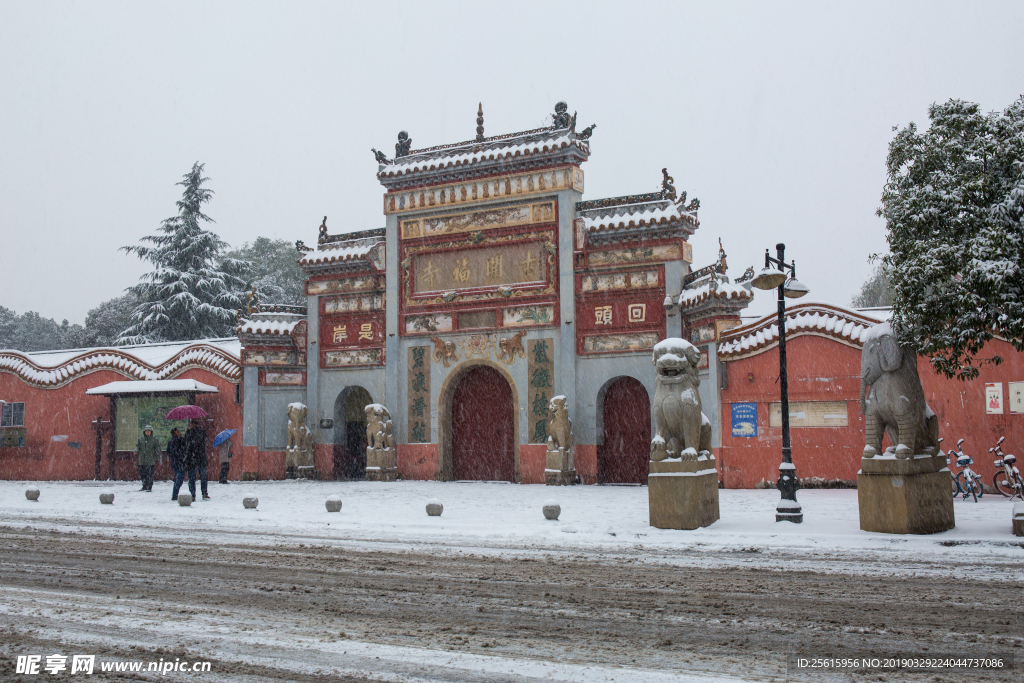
(904, 495)
(1018, 519)
(298, 463)
(559, 468)
(683, 494)
(381, 464)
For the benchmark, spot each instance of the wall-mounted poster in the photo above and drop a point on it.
(1015, 397)
(744, 419)
(994, 398)
(810, 414)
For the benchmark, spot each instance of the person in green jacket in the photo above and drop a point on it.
(147, 450)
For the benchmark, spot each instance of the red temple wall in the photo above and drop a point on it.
(822, 369)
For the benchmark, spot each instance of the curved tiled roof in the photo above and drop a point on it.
(824, 320)
(330, 254)
(269, 327)
(503, 148)
(725, 290)
(656, 213)
(50, 370)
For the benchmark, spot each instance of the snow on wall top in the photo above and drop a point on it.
(843, 324)
(501, 148)
(272, 326)
(639, 215)
(337, 253)
(152, 386)
(52, 369)
(722, 290)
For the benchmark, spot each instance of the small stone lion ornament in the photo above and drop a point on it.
(680, 428)
(559, 425)
(378, 428)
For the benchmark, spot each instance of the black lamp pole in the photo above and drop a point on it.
(788, 509)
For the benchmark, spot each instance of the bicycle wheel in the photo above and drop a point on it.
(961, 485)
(1003, 484)
(956, 486)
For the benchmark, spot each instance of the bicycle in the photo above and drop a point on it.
(966, 481)
(1007, 480)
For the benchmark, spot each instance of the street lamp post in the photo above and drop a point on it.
(774, 277)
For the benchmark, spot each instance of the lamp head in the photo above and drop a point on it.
(795, 289)
(769, 278)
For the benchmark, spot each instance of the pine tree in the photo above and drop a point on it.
(953, 205)
(192, 293)
(274, 270)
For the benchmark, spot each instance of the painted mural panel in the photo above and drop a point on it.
(431, 322)
(419, 394)
(528, 315)
(340, 359)
(540, 377)
(258, 356)
(349, 304)
(660, 252)
(612, 343)
(352, 284)
(507, 264)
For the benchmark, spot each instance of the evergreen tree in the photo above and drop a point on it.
(105, 323)
(954, 204)
(273, 269)
(32, 332)
(192, 293)
(876, 290)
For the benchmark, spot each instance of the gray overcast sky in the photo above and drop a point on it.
(777, 116)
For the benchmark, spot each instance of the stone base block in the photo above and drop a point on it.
(381, 474)
(381, 458)
(683, 494)
(561, 477)
(250, 476)
(1018, 519)
(903, 497)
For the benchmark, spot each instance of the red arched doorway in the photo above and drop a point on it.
(626, 452)
(483, 442)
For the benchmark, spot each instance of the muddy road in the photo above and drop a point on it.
(296, 612)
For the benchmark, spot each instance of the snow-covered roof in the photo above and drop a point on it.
(722, 290)
(812, 318)
(336, 253)
(272, 327)
(152, 386)
(51, 369)
(606, 215)
(500, 149)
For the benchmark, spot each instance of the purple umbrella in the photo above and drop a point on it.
(185, 413)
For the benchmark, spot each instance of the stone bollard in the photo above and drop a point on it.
(1018, 519)
(185, 500)
(334, 504)
(249, 502)
(552, 510)
(107, 498)
(434, 507)
(32, 494)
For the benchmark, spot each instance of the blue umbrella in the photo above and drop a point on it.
(223, 436)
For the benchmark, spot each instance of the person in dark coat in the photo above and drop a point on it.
(195, 458)
(225, 453)
(147, 450)
(176, 454)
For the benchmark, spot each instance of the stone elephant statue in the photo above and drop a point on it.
(895, 404)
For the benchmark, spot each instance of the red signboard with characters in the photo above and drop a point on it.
(621, 315)
(351, 331)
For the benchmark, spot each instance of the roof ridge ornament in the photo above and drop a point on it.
(323, 231)
(561, 115)
(403, 145)
(480, 122)
(668, 189)
(586, 132)
(379, 156)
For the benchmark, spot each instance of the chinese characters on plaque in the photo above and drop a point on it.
(508, 264)
(540, 373)
(419, 394)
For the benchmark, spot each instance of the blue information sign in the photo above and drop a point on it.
(744, 419)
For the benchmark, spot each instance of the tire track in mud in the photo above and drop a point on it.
(292, 606)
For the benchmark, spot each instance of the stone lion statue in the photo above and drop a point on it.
(559, 425)
(299, 448)
(378, 428)
(680, 428)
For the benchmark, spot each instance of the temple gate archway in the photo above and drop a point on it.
(478, 425)
(349, 461)
(625, 409)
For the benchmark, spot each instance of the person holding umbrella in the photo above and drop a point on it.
(195, 457)
(223, 443)
(176, 454)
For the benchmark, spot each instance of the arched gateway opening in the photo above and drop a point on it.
(481, 444)
(626, 414)
(350, 433)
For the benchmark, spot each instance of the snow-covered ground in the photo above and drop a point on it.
(506, 518)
